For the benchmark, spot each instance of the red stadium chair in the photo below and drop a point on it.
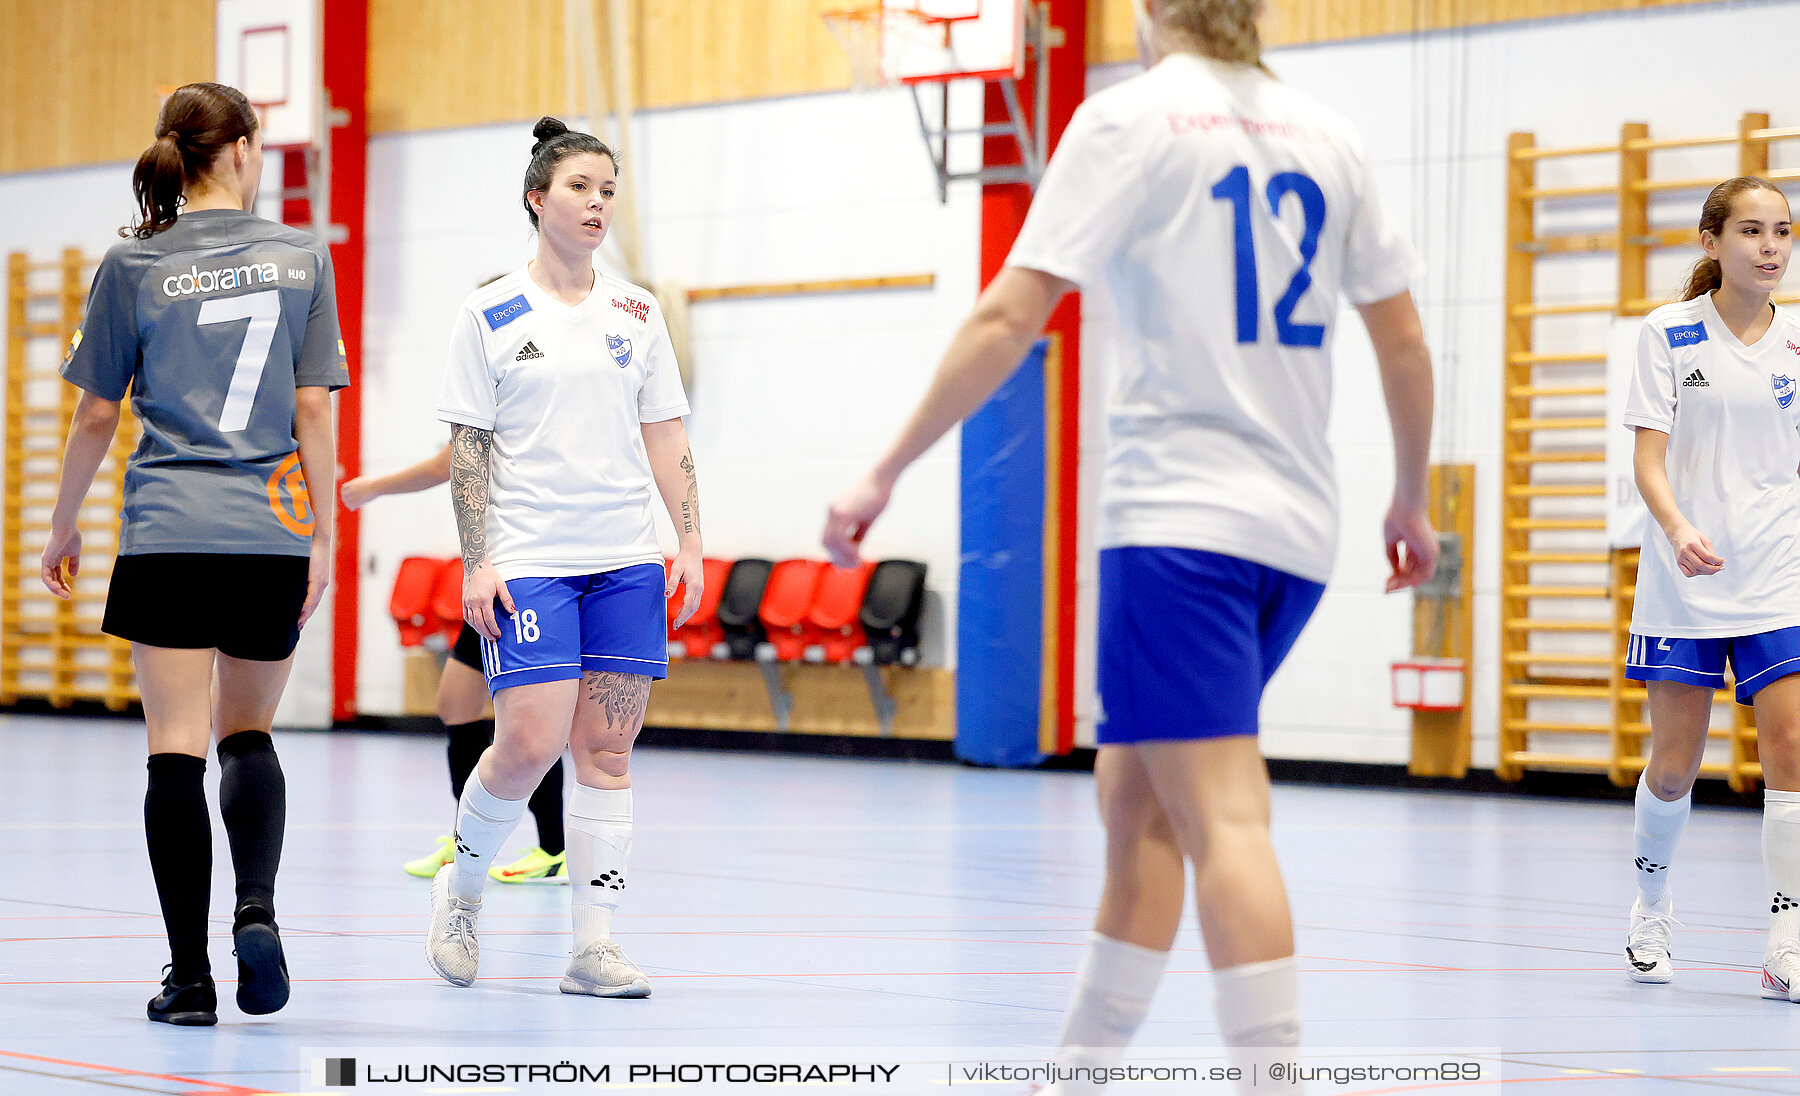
(446, 600)
(411, 603)
(703, 632)
(786, 601)
(836, 610)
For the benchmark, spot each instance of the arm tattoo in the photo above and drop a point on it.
(469, 490)
(621, 697)
(690, 506)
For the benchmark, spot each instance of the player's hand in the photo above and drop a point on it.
(1693, 552)
(65, 545)
(480, 587)
(355, 492)
(1412, 546)
(850, 516)
(318, 577)
(688, 571)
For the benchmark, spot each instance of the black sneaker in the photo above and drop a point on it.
(262, 968)
(193, 1004)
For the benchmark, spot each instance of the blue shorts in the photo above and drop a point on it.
(1755, 660)
(1189, 639)
(563, 627)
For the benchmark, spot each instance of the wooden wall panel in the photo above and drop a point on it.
(1302, 22)
(703, 51)
(79, 78)
(463, 63)
(463, 67)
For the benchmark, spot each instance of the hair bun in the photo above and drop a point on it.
(546, 129)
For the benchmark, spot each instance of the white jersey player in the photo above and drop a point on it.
(1718, 463)
(1224, 216)
(565, 408)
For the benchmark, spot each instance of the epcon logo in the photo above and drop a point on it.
(225, 277)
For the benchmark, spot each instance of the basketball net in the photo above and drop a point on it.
(876, 36)
(858, 31)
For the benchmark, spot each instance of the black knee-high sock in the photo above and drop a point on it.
(253, 801)
(546, 807)
(467, 741)
(178, 831)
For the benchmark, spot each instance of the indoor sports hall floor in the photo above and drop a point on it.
(779, 901)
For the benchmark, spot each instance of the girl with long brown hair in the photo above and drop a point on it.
(1718, 462)
(223, 329)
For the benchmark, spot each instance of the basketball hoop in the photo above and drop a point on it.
(871, 34)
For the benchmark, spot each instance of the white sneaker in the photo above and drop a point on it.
(450, 946)
(1647, 947)
(1781, 973)
(603, 971)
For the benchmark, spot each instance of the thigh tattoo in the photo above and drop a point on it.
(620, 696)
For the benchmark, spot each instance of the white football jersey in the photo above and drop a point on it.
(1733, 464)
(565, 391)
(1225, 215)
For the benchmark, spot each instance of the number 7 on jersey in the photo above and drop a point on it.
(263, 310)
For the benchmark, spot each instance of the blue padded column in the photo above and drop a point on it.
(1000, 591)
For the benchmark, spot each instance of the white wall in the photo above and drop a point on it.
(1435, 111)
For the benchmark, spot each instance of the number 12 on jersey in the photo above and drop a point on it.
(1235, 188)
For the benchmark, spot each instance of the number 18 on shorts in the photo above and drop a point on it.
(563, 627)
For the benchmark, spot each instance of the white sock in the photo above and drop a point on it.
(599, 846)
(1113, 988)
(1781, 864)
(483, 823)
(1656, 831)
(1259, 1016)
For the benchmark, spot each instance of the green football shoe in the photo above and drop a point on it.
(536, 866)
(427, 866)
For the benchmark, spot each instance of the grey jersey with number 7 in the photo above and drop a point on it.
(212, 325)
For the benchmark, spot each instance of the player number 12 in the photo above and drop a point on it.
(1235, 188)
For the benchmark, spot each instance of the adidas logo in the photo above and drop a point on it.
(530, 351)
(1694, 379)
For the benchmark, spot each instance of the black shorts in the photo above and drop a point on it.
(468, 648)
(246, 606)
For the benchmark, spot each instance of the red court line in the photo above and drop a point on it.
(212, 1086)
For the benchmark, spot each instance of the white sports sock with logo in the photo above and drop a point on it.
(483, 823)
(1781, 864)
(1113, 988)
(1657, 828)
(599, 845)
(1259, 1016)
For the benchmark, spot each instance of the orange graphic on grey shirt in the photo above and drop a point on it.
(288, 497)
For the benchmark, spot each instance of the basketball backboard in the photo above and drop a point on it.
(926, 41)
(269, 50)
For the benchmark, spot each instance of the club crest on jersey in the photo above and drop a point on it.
(1784, 390)
(74, 345)
(621, 350)
(1687, 334)
(506, 312)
